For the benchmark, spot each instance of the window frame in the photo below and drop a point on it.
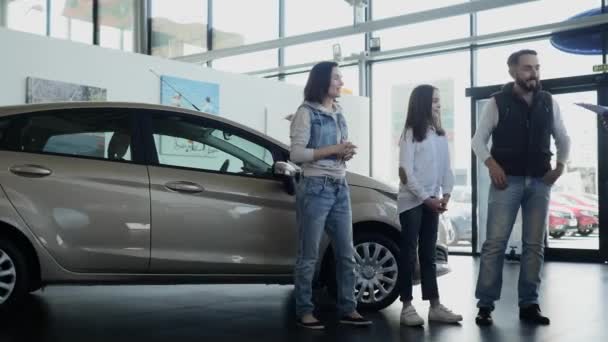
(145, 119)
(18, 121)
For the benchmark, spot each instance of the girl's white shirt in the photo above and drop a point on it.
(427, 167)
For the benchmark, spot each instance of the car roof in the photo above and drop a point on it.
(39, 107)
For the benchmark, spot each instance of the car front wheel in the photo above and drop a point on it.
(13, 275)
(376, 285)
(376, 272)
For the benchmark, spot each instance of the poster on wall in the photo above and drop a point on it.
(180, 92)
(39, 90)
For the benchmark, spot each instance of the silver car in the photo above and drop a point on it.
(125, 193)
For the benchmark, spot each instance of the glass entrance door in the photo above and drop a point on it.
(573, 221)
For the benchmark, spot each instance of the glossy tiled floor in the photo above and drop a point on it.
(575, 296)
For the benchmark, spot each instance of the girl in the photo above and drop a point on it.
(425, 173)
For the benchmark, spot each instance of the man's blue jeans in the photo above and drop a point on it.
(323, 204)
(532, 194)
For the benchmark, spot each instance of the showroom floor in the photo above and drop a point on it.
(575, 296)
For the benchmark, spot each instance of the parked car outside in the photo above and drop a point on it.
(588, 201)
(460, 213)
(587, 217)
(561, 221)
(124, 193)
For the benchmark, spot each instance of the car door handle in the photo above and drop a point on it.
(183, 186)
(30, 170)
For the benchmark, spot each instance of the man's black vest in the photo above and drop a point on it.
(521, 141)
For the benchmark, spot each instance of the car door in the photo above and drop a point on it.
(72, 175)
(216, 206)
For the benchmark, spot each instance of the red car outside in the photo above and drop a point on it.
(586, 216)
(561, 221)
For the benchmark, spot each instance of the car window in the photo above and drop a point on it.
(254, 149)
(96, 133)
(196, 143)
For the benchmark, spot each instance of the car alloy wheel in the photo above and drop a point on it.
(8, 276)
(376, 272)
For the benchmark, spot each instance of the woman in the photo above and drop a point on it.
(319, 142)
(425, 173)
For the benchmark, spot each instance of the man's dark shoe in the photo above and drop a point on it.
(484, 317)
(531, 314)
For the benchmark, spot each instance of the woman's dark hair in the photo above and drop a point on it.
(318, 82)
(420, 113)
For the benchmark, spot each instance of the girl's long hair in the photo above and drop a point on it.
(420, 114)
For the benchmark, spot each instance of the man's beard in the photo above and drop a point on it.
(528, 87)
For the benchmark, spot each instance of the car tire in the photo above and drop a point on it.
(586, 231)
(368, 270)
(14, 275)
(557, 235)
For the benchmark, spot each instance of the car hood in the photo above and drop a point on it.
(355, 179)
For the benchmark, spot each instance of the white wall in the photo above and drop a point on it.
(258, 103)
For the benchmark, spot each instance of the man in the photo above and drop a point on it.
(521, 118)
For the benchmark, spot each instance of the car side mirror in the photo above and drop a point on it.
(288, 172)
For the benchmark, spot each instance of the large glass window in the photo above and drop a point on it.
(116, 23)
(236, 25)
(393, 83)
(233, 25)
(576, 191)
(316, 15)
(531, 14)
(323, 50)
(24, 15)
(73, 20)
(392, 8)
(492, 62)
(179, 29)
(424, 33)
(421, 33)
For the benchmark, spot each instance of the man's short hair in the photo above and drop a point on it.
(514, 58)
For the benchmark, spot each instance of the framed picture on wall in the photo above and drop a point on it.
(39, 90)
(181, 92)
